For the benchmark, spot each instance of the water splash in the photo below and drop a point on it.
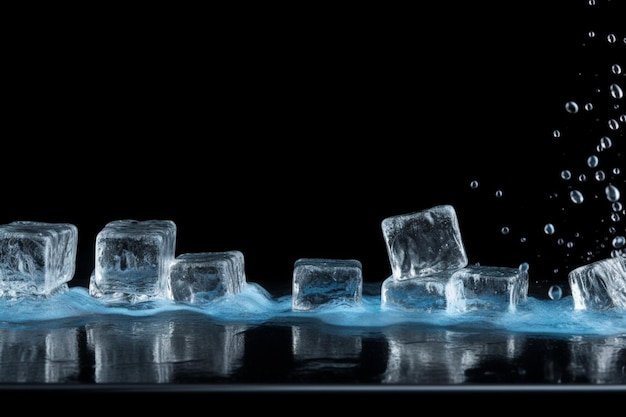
(579, 203)
(255, 305)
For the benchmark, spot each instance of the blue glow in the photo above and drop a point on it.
(256, 305)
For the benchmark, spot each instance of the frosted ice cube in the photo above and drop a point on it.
(36, 258)
(424, 242)
(488, 288)
(318, 281)
(600, 285)
(203, 276)
(425, 294)
(133, 259)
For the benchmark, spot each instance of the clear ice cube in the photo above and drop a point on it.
(203, 276)
(488, 288)
(133, 259)
(424, 242)
(318, 281)
(424, 294)
(600, 285)
(36, 258)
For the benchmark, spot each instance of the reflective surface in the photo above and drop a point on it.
(186, 350)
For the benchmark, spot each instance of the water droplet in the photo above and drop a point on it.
(474, 184)
(613, 124)
(592, 161)
(505, 230)
(576, 197)
(600, 175)
(605, 142)
(566, 174)
(611, 38)
(555, 292)
(571, 107)
(549, 229)
(618, 242)
(612, 193)
(499, 193)
(588, 106)
(556, 134)
(616, 206)
(616, 91)
(616, 69)
(523, 267)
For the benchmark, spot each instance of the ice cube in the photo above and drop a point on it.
(36, 258)
(203, 276)
(133, 259)
(425, 294)
(488, 288)
(600, 285)
(318, 281)
(424, 242)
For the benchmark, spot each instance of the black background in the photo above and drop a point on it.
(288, 132)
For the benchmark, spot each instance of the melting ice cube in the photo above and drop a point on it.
(36, 258)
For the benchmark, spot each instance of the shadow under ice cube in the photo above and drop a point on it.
(600, 285)
(319, 281)
(424, 242)
(133, 259)
(36, 258)
(203, 276)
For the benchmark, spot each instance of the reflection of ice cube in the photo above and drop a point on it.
(488, 288)
(418, 294)
(133, 259)
(599, 285)
(31, 355)
(320, 281)
(424, 242)
(447, 357)
(36, 258)
(203, 276)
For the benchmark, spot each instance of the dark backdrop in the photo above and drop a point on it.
(292, 132)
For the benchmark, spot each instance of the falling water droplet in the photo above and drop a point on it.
(576, 197)
(592, 161)
(571, 107)
(523, 267)
(618, 242)
(474, 184)
(612, 193)
(605, 142)
(616, 91)
(549, 229)
(600, 176)
(566, 174)
(613, 124)
(555, 292)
